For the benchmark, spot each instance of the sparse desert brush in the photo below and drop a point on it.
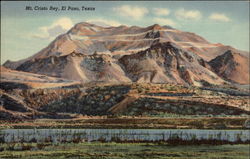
(140, 90)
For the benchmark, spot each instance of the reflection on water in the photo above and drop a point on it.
(68, 135)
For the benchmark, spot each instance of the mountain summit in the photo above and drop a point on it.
(157, 54)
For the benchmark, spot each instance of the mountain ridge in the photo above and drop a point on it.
(88, 52)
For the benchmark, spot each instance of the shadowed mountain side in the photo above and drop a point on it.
(232, 66)
(166, 63)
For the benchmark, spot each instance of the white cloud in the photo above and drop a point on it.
(219, 17)
(188, 14)
(164, 21)
(103, 22)
(161, 11)
(58, 27)
(134, 12)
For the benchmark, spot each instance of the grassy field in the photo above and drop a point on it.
(97, 150)
(191, 122)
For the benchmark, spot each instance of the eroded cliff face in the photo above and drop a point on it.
(127, 99)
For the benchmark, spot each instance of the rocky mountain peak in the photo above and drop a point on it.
(229, 53)
(226, 58)
(167, 27)
(156, 27)
(84, 28)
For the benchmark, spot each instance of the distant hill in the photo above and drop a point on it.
(232, 66)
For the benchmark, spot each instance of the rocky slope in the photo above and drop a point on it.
(12, 79)
(232, 66)
(167, 63)
(88, 52)
(75, 66)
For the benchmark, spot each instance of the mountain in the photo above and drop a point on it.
(166, 63)
(161, 63)
(12, 79)
(232, 66)
(75, 66)
(157, 54)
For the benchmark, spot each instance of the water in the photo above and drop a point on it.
(69, 135)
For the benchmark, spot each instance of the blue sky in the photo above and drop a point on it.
(24, 33)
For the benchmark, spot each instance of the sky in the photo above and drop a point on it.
(25, 32)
